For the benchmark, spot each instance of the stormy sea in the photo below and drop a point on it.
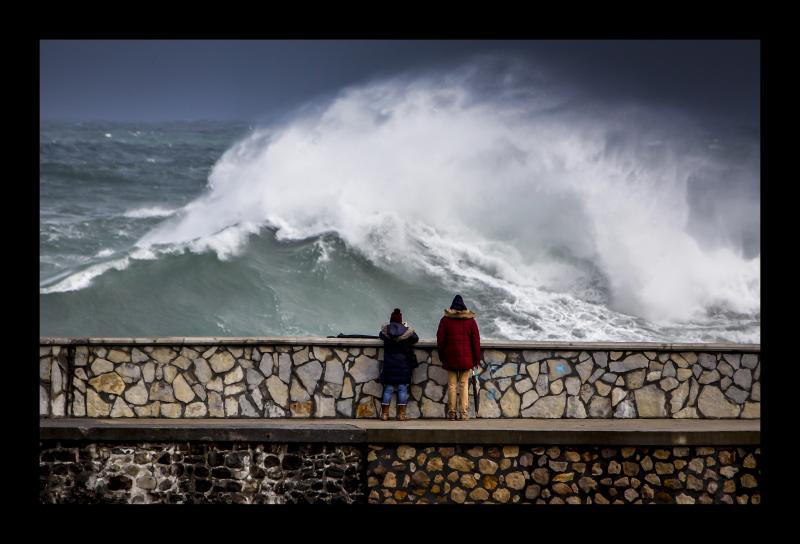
(555, 219)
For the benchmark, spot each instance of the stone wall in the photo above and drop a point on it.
(308, 379)
(204, 472)
(259, 473)
(559, 475)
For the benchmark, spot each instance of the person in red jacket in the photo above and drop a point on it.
(459, 344)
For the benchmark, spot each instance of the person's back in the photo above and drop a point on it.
(398, 364)
(459, 343)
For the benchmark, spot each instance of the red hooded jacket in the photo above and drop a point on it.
(458, 340)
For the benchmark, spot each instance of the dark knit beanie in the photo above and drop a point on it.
(458, 303)
(397, 317)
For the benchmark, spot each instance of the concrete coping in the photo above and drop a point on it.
(600, 432)
(365, 342)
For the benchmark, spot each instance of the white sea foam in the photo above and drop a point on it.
(83, 279)
(579, 218)
(429, 175)
(148, 212)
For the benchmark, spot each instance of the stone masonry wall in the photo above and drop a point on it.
(557, 475)
(254, 473)
(283, 381)
(205, 472)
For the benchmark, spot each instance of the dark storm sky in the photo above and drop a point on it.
(717, 81)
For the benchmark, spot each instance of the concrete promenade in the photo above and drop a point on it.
(628, 432)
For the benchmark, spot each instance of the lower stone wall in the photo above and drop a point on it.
(257, 473)
(203, 472)
(558, 475)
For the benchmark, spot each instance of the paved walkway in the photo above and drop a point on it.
(673, 432)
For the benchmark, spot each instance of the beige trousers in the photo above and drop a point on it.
(462, 378)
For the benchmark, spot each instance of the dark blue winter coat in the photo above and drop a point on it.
(397, 341)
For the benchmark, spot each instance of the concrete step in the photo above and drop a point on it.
(630, 432)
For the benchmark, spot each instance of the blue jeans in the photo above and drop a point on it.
(402, 393)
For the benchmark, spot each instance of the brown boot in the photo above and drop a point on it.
(385, 412)
(451, 414)
(401, 412)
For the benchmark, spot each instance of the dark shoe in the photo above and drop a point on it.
(401, 412)
(385, 412)
(451, 415)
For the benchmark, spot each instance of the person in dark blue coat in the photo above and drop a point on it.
(398, 363)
